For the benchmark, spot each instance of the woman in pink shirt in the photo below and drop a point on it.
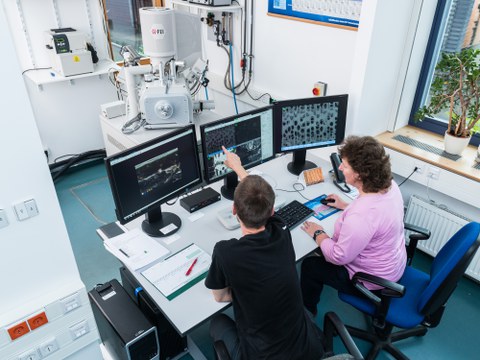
(368, 236)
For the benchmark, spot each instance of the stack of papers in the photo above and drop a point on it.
(135, 249)
(179, 271)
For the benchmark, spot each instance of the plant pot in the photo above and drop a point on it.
(455, 145)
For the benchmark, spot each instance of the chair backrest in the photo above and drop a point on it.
(448, 267)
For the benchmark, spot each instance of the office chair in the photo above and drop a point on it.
(418, 300)
(332, 326)
(417, 233)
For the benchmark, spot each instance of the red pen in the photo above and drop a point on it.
(189, 271)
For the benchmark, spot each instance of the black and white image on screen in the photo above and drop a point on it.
(309, 125)
(249, 137)
(162, 170)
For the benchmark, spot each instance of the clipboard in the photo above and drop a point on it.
(180, 271)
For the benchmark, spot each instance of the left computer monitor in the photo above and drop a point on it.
(249, 135)
(144, 177)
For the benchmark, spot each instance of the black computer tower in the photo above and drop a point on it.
(171, 343)
(125, 331)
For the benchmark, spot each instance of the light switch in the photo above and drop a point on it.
(21, 211)
(31, 206)
(3, 218)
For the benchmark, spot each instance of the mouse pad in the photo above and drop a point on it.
(321, 211)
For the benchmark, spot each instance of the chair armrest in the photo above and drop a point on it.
(221, 352)
(332, 325)
(420, 233)
(390, 289)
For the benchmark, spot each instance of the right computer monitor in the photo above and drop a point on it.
(303, 124)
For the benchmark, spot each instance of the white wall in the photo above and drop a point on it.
(36, 257)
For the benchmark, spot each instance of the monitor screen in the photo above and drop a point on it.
(147, 175)
(249, 135)
(309, 123)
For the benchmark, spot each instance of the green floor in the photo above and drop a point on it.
(87, 203)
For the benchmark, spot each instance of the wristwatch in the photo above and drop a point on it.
(316, 233)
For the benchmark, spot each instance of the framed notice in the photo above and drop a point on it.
(344, 14)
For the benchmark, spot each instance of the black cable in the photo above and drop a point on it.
(408, 177)
(76, 159)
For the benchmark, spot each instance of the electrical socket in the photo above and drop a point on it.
(420, 168)
(433, 173)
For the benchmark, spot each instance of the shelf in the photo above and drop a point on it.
(47, 76)
(229, 8)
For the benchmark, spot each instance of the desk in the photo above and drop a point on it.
(197, 305)
(115, 140)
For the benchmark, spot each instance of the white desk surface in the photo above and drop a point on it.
(197, 305)
(142, 135)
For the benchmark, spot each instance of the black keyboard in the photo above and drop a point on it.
(294, 213)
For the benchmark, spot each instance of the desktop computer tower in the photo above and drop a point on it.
(125, 331)
(171, 343)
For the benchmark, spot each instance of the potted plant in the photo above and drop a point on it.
(456, 88)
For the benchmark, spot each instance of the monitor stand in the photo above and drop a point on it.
(161, 224)
(230, 183)
(299, 163)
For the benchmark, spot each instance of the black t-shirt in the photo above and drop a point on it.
(267, 301)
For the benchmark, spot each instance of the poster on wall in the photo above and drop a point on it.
(343, 14)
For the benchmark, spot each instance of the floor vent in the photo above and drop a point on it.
(426, 147)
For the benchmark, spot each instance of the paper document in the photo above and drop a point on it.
(179, 271)
(135, 249)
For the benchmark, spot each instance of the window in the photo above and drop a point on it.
(124, 23)
(455, 27)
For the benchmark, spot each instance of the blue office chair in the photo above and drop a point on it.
(418, 300)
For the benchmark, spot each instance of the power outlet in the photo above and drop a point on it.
(433, 173)
(420, 168)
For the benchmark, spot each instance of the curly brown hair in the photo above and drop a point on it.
(368, 159)
(254, 199)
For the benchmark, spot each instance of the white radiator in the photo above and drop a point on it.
(443, 224)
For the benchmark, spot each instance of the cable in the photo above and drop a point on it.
(42, 68)
(296, 190)
(233, 81)
(408, 177)
(80, 157)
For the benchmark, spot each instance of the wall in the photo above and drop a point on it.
(67, 126)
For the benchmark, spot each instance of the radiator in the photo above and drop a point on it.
(442, 223)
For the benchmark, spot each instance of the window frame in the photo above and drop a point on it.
(434, 40)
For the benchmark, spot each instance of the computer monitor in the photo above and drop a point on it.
(309, 123)
(249, 135)
(147, 175)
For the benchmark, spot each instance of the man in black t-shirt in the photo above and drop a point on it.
(257, 273)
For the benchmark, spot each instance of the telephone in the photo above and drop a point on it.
(339, 177)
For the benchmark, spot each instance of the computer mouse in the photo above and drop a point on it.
(326, 201)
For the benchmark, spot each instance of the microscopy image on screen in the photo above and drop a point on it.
(309, 124)
(242, 138)
(159, 171)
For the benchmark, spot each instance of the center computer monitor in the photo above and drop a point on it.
(147, 175)
(309, 123)
(249, 135)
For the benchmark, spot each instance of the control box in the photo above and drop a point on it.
(200, 199)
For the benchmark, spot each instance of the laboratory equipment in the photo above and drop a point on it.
(160, 94)
(69, 52)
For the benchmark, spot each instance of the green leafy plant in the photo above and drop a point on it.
(456, 88)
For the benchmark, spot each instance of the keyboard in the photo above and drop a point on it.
(294, 213)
